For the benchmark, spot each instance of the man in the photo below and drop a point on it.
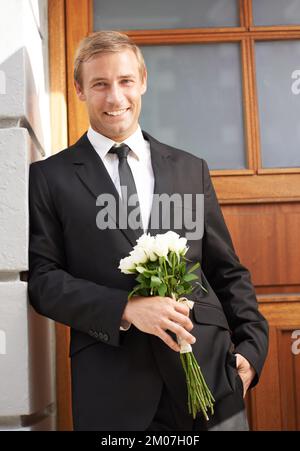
(126, 370)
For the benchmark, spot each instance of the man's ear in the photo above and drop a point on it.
(79, 91)
(144, 82)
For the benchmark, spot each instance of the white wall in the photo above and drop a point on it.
(27, 395)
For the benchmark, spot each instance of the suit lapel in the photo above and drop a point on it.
(91, 171)
(93, 174)
(161, 160)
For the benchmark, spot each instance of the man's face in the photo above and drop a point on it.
(112, 87)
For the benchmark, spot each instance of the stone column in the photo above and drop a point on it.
(27, 384)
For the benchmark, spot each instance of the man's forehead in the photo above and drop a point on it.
(120, 66)
(126, 54)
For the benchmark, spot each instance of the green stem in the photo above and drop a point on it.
(199, 395)
(166, 278)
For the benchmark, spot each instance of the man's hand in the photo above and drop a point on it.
(154, 315)
(245, 370)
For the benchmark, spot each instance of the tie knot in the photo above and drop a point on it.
(122, 150)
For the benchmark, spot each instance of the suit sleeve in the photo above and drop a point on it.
(232, 283)
(53, 292)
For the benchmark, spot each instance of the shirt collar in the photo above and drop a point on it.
(102, 144)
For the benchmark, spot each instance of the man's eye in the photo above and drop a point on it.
(126, 81)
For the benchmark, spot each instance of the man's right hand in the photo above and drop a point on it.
(154, 315)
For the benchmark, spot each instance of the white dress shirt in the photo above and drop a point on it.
(139, 160)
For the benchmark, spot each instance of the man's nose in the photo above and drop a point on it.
(114, 95)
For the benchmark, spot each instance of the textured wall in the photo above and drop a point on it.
(27, 395)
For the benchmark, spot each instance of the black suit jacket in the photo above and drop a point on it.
(117, 376)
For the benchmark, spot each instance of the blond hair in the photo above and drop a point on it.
(105, 42)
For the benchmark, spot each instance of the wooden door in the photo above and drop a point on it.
(260, 201)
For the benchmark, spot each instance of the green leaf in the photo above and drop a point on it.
(162, 289)
(151, 270)
(190, 277)
(155, 281)
(152, 265)
(140, 269)
(161, 261)
(144, 292)
(135, 290)
(180, 289)
(140, 278)
(169, 260)
(203, 287)
(187, 259)
(194, 267)
(182, 268)
(146, 283)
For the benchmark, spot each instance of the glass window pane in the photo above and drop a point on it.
(194, 101)
(157, 14)
(276, 12)
(278, 83)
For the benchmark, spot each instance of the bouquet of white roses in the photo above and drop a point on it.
(160, 264)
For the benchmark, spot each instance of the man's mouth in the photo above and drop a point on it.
(117, 112)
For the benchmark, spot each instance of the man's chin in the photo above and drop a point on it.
(116, 135)
(120, 133)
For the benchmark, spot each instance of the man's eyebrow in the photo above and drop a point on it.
(97, 79)
(106, 79)
(127, 76)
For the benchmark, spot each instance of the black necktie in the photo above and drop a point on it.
(127, 181)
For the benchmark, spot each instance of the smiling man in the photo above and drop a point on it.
(126, 370)
(112, 84)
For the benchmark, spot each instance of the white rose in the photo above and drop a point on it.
(175, 243)
(147, 242)
(161, 247)
(138, 256)
(179, 246)
(171, 236)
(127, 265)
